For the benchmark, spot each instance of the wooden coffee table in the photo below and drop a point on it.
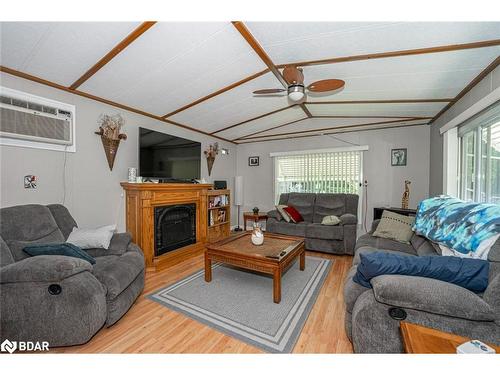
(418, 339)
(272, 257)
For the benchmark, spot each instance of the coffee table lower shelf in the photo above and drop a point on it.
(271, 258)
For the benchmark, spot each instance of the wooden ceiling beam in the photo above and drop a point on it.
(254, 118)
(469, 87)
(383, 101)
(335, 132)
(407, 52)
(247, 35)
(274, 127)
(379, 116)
(330, 128)
(45, 82)
(141, 29)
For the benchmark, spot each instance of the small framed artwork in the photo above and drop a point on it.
(253, 161)
(399, 157)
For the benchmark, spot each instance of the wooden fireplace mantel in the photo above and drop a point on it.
(142, 198)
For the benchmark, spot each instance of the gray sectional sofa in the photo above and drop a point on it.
(338, 239)
(60, 299)
(371, 314)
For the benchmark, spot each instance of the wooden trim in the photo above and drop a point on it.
(378, 116)
(221, 91)
(42, 81)
(145, 26)
(346, 131)
(253, 119)
(408, 52)
(247, 35)
(274, 127)
(447, 48)
(388, 101)
(306, 110)
(469, 87)
(329, 128)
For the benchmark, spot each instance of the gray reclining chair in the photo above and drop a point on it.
(429, 302)
(60, 299)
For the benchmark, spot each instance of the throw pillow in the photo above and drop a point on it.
(281, 209)
(66, 249)
(294, 214)
(471, 274)
(330, 220)
(395, 227)
(92, 238)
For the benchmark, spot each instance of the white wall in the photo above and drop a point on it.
(385, 183)
(478, 92)
(93, 192)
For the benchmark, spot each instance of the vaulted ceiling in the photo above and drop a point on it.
(201, 75)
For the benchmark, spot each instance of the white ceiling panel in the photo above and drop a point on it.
(60, 52)
(430, 76)
(233, 106)
(323, 124)
(390, 109)
(331, 131)
(299, 41)
(282, 117)
(173, 64)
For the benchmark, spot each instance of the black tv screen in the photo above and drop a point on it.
(168, 157)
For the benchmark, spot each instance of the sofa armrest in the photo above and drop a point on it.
(347, 219)
(432, 296)
(43, 268)
(274, 214)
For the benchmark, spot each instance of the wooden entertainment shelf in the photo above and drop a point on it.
(140, 202)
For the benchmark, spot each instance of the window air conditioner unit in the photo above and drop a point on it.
(30, 118)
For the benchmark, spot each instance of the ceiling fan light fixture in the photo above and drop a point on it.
(296, 92)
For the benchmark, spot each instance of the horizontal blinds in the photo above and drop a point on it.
(485, 118)
(331, 172)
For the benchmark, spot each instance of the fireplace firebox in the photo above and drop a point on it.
(175, 227)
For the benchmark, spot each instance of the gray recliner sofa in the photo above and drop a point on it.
(337, 239)
(59, 299)
(370, 318)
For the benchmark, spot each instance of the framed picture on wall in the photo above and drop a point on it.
(253, 161)
(399, 157)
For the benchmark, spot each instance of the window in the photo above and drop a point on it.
(322, 171)
(480, 157)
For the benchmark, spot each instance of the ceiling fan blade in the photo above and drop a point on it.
(268, 91)
(326, 85)
(293, 75)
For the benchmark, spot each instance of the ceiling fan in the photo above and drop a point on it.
(296, 90)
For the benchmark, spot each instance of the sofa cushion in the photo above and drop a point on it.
(367, 240)
(118, 272)
(284, 199)
(27, 223)
(304, 203)
(291, 229)
(328, 204)
(325, 232)
(63, 218)
(5, 254)
(16, 247)
(351, 204)
(352, 290)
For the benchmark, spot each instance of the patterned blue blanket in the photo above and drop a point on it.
(459, 225)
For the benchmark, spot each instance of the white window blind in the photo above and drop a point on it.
(324, 172)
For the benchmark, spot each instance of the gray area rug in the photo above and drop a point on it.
(240, 303)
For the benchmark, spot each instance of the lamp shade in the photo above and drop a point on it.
(238, 190)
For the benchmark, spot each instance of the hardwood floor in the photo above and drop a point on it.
(149, 327)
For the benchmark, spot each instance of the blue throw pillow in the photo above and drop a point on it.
(65, 248)
(468, 273)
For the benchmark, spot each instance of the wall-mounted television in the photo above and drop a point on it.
(167, 157)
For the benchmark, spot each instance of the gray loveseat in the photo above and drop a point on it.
(60, 299)
(338, 239)
(429, 302)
